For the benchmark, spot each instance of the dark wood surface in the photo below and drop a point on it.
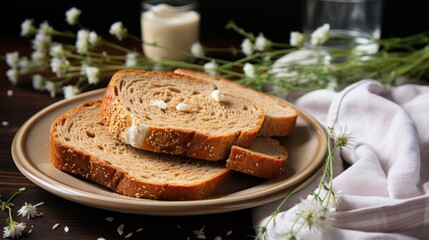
(86, 222)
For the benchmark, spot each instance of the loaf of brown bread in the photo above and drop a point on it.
(80, 144)
(266, 158)
(175, 114)
(280, 117)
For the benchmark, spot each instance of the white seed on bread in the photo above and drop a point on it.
(182, 107)
(218, 96)
(160, 103)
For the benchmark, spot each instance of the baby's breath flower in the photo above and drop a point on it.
(27, 28)
(82, 42)
(312, 213)
(72, 16)
(56, 50)
(38, 57)
(52, 88)
(296, 39)
(29, 210)
(93, 74)
(12, 59)
(118, 30)
(247, 47)
(13, 75)
(197, 50)
(41, 42)
(45, 28)
(131, 59)
(261, 43)
(320, 35)
(14, 229)
(249, 70)
(70, 91)
(94, 39)
(59, 66)
(38, 82)
(24, 65)
(211, 67)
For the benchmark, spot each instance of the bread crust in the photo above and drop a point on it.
(70, 159)
(176, 141)
(273, 125)
(258, 164)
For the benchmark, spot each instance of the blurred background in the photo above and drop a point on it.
(274, 18)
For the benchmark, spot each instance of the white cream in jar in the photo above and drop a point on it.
(172, 29)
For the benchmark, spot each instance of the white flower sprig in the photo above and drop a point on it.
(314, 211)
(15, 229)
(54, 66)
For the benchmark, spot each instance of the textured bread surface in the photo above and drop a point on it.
(207, 130)
(266, 158)
(81, 145)
(280, 117)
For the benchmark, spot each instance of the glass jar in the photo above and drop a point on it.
(169, 28)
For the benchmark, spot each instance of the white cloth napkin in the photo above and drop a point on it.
(385, 183)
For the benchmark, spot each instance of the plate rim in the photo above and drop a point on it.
(159, 207)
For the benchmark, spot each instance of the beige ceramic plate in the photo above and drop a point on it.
(30, 151)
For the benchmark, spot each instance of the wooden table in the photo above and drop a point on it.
(86, 222)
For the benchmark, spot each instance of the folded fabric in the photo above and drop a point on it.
(383, 175)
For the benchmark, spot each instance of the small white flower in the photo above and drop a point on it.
(12, 59)
(13, 75)
(247, 47)
(313, 213)
(41, 42)
(45, 28)
(182, 107)
(211, 67)
(261, 43)
(131, 59)
(118, 30)
(296, 38)
(38, 82)
(197, 50)
(320, 35)
(14, 229)
(218, 96)
(56, 50)
(38, 57)
(249, 70)
(24, 65)
(72, 16)
(59, 66)
(27, 28)
(51, 87)
(94, 39)
(82, 42)
(29, 210)
(93, 74)
(70, 91)
(160, 103)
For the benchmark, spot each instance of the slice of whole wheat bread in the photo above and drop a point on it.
(141, 109)
(266, 158)
(280, 117)
(81, 145)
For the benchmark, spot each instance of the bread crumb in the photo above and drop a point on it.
(56, 225)
(182, 107)
(66, 229)
(218, 96)
(109, 219)
(160, 103)
(139, 230)
(9, 93)
(129, 235)
(121, 229)
(5, 123)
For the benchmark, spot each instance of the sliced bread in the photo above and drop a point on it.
(81, 145)
(280, 117)
(266, 158)
(176, 114)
